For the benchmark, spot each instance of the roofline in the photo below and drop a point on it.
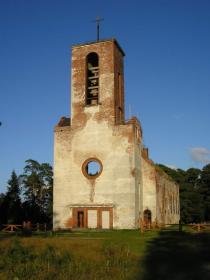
(100, 41)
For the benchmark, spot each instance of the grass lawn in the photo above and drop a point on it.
(88, 255)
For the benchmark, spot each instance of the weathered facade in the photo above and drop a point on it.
(103, 177)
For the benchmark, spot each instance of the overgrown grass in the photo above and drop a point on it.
(114, 255)
(78, 255)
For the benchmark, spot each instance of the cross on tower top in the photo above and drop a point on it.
(98, 20)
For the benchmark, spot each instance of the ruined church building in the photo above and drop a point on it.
(103, 177)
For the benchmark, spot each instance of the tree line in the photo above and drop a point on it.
(29, 196)
(194, 190)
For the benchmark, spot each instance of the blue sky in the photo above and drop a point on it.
(167, 71)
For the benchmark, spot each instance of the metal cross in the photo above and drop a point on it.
(97, 20)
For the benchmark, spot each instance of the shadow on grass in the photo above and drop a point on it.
(177, 256)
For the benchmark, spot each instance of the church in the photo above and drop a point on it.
(103, 176)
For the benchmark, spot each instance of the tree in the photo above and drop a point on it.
(204, 190)
(3, 209)
(37, 182)
(191, 200)
(11, 203)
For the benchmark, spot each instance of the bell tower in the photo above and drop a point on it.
(98, 81)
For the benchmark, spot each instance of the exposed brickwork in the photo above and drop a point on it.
(110, 64)
(167, 199)
(64, 122)
(129, 182)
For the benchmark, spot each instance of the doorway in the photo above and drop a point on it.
(147, 217)
(80, 219)
(105, 224)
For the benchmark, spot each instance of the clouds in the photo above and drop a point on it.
(172, 166)
(200, 154)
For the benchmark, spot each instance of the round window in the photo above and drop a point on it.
(92, 168)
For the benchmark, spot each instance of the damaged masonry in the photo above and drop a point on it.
(103, 177)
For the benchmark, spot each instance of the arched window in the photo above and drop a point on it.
(92, 90)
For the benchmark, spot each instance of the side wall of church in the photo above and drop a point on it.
(168, 207)
(149, 188)
(160, 194)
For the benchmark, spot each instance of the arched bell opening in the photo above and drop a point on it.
(92, 90)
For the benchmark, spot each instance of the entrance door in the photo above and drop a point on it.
(105, 219)
(80, 219)
(92, 218)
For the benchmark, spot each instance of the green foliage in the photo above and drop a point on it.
(37, 184)
(3, 209)
(35, 187)
(204, 190)
(194, 192)
(10, 203)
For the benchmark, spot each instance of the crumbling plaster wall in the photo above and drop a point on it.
(128, 182)
(94, 134)
(149, 187)
(160, 194)
(116, 186)
(168, 205)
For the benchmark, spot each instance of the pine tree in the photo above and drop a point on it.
(12, 201)
(37, 185)
(3, 209)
